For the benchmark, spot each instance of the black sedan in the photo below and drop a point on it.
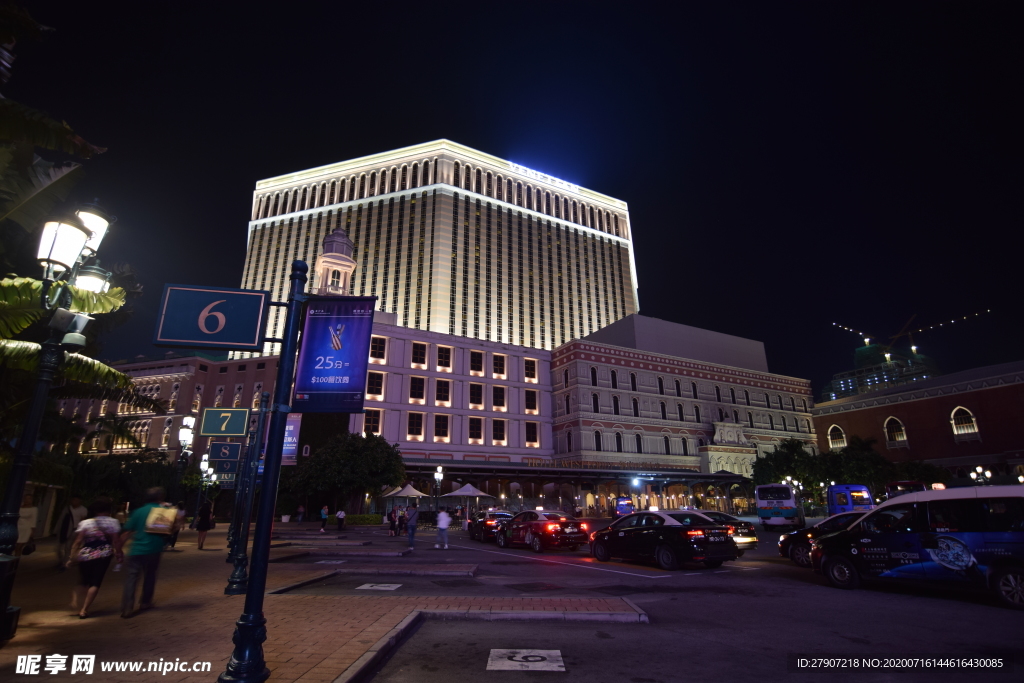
(541, 529)
(669, 538)
(796, 545)
(743, 533)
(483, 524)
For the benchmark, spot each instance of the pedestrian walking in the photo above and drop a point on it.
(403, 520)
(393, 522)
(412, 516)
(300, 512)
(97, 542)
(28, 519)
(178, 524)
(443, 522)
(323, 519)
(340, 514)
(147, 527)
(204, 521)
(74, 514)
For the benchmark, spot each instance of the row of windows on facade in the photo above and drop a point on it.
(693, 390)
(443, 356)
(443, 392)
(415, 425)
(961, 421)
(466, 177)
(680, 414)
(638, 443)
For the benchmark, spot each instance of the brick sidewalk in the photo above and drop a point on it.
(310, 637)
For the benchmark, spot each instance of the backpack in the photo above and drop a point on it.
(161, 520)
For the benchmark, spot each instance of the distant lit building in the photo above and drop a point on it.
(878, 367)
(452, 240)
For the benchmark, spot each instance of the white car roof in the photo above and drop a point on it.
(979, 491)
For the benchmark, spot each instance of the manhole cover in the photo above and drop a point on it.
(531, 587)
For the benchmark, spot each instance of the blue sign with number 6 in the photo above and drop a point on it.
(212, 318)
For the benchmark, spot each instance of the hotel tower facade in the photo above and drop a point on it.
(453, 240)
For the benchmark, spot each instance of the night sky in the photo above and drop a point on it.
(787, 165)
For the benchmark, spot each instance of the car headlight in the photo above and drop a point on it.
(783, 537)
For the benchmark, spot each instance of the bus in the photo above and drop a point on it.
(779, 505)
(848, 498)
(898, 488)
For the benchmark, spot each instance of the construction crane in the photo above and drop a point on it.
(906, 332)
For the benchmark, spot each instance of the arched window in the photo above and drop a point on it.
(779, 399)
(615, 405)
(632, 381)
(746, 396)
(784, 426)
(595, 403)
(479, 183)
(661, 386)
(686, 447)
(372, 189)
(615, 380)
(718, 394)
(519, 194)
(568, 441)
(679, 389)
(804, 400)
(836, 437)
(529, 196)
(771, 422)
(490, 184)
(597, 441)
(693, 389)
(792, 404)
(700, 443)
(894, 430)
(679, 411)
(455, 174)
(618, 442)
(696, 413)
(565, 379)
(568, 406)
(721, 415)
(750, 419)
(963, 421)
(414, 180)
(636, 408)
(426, 172)
(335, 278)
(639, 443)
(593, 377)
(736, 416)
(664, 413)
(668, 448)
(732, 394)
(767, 401)
(362, 186)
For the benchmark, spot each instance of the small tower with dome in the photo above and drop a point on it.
(335, 265)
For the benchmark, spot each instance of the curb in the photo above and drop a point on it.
(382, 648)
(300, 584)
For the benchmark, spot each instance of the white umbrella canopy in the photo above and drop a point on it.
(469, 491)
(409, 492)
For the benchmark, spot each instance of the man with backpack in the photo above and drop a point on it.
(148, 527)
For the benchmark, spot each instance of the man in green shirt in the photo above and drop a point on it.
(144, 555)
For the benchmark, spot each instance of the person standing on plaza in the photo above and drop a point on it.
(402, 521)
(204, 522)
(443, 522)
(323, 519)
(144, 555)
(28, 519)
(97, 542)
(340, 514)
(412, 516)
(73, 515)
(393, 522)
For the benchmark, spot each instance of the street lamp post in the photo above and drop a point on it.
(239, 580)
(64, 245)
(438, 478)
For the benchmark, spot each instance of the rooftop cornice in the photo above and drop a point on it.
(917, 394)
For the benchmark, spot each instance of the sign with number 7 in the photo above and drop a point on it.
(212, 318)
(224, 422)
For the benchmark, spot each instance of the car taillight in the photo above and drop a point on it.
(491, 522)
(731, 529)
(593, 535)
(694, 532)
(584, 526)
(553, 527)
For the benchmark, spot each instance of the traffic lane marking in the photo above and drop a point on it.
(525, 660)
(566, 564)
(378, 587)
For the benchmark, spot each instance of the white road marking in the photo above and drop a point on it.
(378, 586)
(525, 660)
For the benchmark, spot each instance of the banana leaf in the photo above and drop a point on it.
(28, 195)
(19, 123)
(24, 355)
(20, 303)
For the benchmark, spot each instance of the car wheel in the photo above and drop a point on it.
(840, 572)
(713, 564)
(666, 558)
(536, 545)
(1008, 583)
(501, 539)
(800, 553)
(600, 551)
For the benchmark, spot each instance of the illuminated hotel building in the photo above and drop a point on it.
(455, 241)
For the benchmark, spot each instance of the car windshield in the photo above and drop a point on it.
(720, 516)
(555, 516)
(774, 493)
(860, 497)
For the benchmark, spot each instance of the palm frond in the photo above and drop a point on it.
(28, 196)
(19, 123)
(24, 355)
(20, 307)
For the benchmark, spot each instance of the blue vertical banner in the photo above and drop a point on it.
(333, 354)
(291, 439)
